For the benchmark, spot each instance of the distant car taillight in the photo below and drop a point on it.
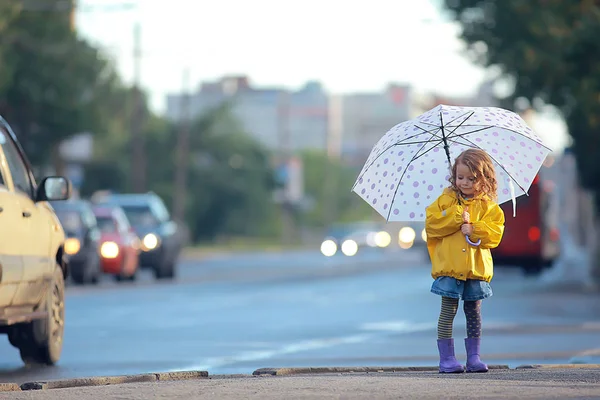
(534, 234)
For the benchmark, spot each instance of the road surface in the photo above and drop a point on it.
(234, 314)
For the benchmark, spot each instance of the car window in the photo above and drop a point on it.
(18, 170)
(141, 216)
(106, 225)
(123, 222)
(2, 179)
(88, 217)
(160, 211)
(2, 141)
(70, 219)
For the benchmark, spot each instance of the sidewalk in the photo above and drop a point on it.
(571, 381)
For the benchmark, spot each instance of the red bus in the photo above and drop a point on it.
(531, 239)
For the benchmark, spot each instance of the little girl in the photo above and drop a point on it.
(462, 225)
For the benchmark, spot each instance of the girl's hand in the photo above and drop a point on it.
(467, 229)
(466, 216)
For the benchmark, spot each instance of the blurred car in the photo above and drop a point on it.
(409, 234)
(161, 241)
(531, 241)
(83, 240)
(350, 238)
(119, 244)
(32, 260)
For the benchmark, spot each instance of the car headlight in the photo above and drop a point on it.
(349, 247)
(328, 248)
(424, 235)
(150, 241)
(406, 235)
(72, 246)
(383, 239)
(109, 250)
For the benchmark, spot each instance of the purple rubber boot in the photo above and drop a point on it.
(448, 362)
(474, 364)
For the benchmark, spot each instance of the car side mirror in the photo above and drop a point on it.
(53, 188)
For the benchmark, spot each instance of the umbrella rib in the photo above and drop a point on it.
(460, 116)
(473, 145)
(427, 151)
(400, 180)
(431, 132)
(418, 134)
(366, 168)
(459, 125)
(467, 133)
(400, 143)
(436, 127)
(508, 129)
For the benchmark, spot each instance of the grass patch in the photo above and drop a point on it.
(240, 245)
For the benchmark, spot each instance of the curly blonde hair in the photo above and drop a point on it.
(481, 166)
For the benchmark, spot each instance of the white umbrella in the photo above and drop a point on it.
(410, 165)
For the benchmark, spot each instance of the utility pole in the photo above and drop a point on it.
(283, 114)
(332, 145)
(183, 144)
(138, 161)
(72, 14)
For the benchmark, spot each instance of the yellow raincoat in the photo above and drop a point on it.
(449, 251)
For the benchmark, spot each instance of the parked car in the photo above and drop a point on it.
(161, 239)
(32, 258)
(119, 244)
(83, 240)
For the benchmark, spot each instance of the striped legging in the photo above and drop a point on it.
(472, 311)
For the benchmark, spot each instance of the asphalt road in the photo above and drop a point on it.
(234, 314)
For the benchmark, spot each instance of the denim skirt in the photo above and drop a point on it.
(469, 290)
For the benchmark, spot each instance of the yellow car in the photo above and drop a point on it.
(32, 266)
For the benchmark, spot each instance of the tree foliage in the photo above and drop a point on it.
(230, 179)
(551, 50)
(326, 183)
(53, 84)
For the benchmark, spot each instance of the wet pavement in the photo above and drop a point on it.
(234, 314)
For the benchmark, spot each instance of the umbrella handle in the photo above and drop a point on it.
(472, 243)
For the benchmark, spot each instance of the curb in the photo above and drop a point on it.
(190, 375)
(9, 387)
(112, 380)
(559, 366)
(330, 370)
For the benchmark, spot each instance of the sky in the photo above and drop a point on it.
(349, 46)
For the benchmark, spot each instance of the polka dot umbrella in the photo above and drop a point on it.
(410, 165)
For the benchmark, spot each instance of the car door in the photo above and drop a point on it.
(11, 261)
(34, 230)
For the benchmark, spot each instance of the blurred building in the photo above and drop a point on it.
(484, 97)
(347, 125)
(296, 120)
(280, 119)
(366, 117)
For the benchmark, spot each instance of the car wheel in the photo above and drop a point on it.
(95, 271)
(165, 271)
(133, 276)
(78, 277)
(41, 341)
(532, 267)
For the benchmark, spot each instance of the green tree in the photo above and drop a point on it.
(9, 10)
(230, 180)
(327, 183)
(551, 50)
(59, 84)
